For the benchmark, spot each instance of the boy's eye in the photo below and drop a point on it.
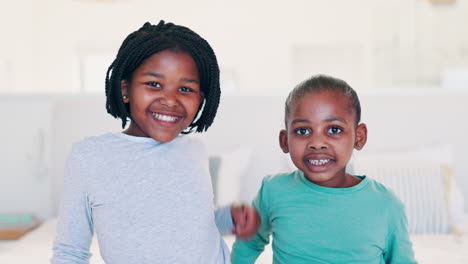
(185, 89)
(154, 84)
(335, 130)
(302, 131)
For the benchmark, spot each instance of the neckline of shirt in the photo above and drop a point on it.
(146, 140)
(364, 182)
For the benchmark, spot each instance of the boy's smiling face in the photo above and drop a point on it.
(321, 135)
(164, 95)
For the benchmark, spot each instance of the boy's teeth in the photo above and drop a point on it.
(319, 162)
(165, 118)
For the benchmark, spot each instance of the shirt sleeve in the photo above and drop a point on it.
(75, 226)
(399, 248)
(247, 251)
(224, 221)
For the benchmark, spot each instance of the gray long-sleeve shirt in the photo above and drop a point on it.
(148, 202)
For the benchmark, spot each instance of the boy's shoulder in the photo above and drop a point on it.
(378, 187)
(384, 193)
(280, 179)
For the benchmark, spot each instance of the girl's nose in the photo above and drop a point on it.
(168, 99)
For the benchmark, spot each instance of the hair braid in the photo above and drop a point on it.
(209, 71)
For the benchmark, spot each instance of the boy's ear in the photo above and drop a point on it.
(124, 90)
(361, 136)
(283, 140)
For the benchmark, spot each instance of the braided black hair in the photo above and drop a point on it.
(319, 83)
(150, 39)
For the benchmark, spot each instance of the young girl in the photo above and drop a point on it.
(319, 213)
(146, 192)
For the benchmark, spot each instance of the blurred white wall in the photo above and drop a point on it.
(262, 45)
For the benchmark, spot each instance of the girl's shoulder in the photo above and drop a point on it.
(188, 144)
(92, 140)
(188, 141)
(92, 143)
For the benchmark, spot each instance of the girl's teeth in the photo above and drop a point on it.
(319, 162)
(165, 118)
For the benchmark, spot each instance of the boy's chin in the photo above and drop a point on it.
(325, 179)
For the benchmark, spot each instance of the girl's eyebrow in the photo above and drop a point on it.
(190, 80)
(159, 75)
(154, 74)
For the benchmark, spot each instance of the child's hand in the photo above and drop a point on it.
(246, 221)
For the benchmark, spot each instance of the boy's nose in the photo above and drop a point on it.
(317, 142)
(318, 146)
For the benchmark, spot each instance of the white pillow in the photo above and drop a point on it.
(422, 178)
(226, 170)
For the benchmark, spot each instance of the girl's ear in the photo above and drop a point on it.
(124, 90)
(283, 140)
(361, 136)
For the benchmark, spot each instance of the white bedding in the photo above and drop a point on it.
(36, 247)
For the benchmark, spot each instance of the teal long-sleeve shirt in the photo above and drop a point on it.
(363, 224)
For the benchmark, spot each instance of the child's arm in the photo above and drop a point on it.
(224, 220)
(246, 221)
(399, 248)
(74, 229)
(240, 220)
(247, 251)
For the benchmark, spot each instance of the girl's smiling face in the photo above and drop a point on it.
(321, 135)
(164, 95)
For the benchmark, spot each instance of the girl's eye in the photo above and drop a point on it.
(302, 131)
(335, 130)
(154, 84)
(185, 89)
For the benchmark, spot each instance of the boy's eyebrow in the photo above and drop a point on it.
(331, 119)
(159, 75)
(328, 119)
(300, 121)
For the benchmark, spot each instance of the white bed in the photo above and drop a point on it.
(36, 247)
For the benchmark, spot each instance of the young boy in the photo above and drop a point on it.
(319, 213)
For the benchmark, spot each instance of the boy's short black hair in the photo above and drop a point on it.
(150, 39)
(319, 83)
